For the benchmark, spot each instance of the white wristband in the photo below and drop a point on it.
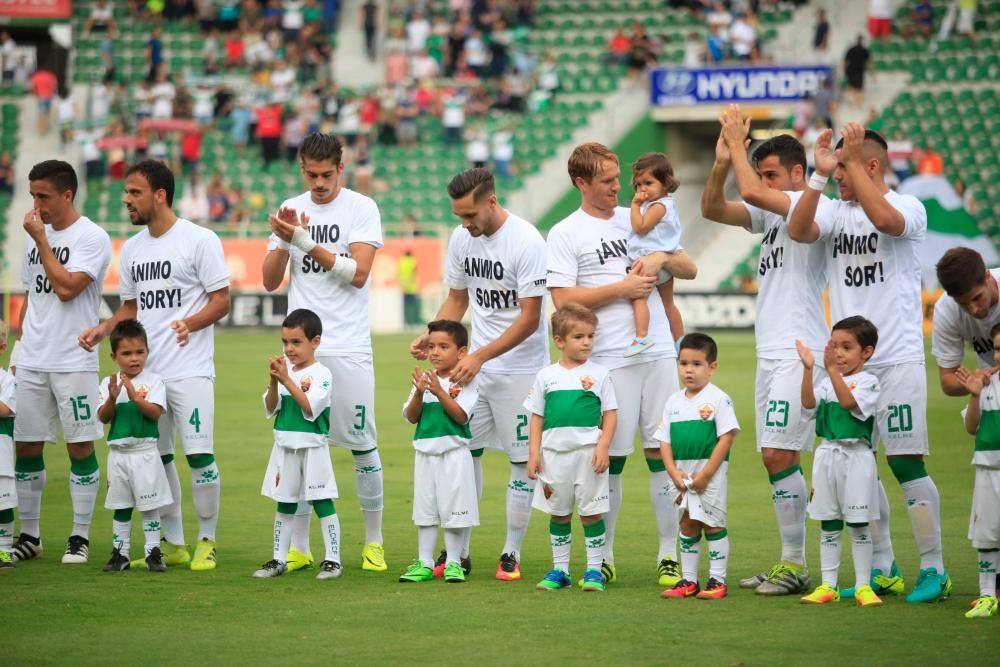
(818, 181)
(302, 240)
(344, 269)
(283, 245)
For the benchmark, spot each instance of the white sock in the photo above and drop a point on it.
(519, 492)
(6, 536)
(477, 469)
(453, 538)
(83, 496)
(427, 539)
(790, 500)
(665, 512)
(861, 552)
(718, 555)
(173, 524)
(882, 554)
(690, 555)
(282, 535)
(611, 517)
(829, 556)
(205, 490)
(151, 530)
(329, 526)
(368, 476)
(595, 544)
(300, 528)
(562, 545)
(989, 565)
(923, 504)
(29, 501)
(121, 536)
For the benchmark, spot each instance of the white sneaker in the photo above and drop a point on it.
(330, 570)
(77, 550)
(638, 345)
(272, 568)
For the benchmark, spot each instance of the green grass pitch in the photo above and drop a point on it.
(55, 614)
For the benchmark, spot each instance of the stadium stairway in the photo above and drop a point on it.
(350, 66)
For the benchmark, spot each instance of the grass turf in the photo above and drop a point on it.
(59, 613)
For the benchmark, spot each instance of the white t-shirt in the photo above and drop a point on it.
(848, 428)
(129, 427)
(170, 277)
(572, 402)
(876, 275)
(953, 327)
(454, 113)
(988, 434)
(417, 31)
(880, 9)
(437, 432)
(586, 251)
(743, 37)
(282, 84)
(694, 425)
(343, 308)
(8, 398)
(291, 16)
(497, 271)
(665, 236)
(163, 95)
(292, 428)
(791, 277)
(51, 328)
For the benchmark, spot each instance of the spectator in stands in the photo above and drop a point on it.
(476, 53)
(406, 113)
(453, 117)
(239, 124)
(101, 98)
(618, 48)
(719, 18)
(269, 130)
(43, 86)
(929, 161)
(825, 101)
(179, 10)
(66, 115)
(370, 15)
(292, 20)
(194, 204)
(477, 151)
(503, 153)
(406, 275)
(417, 30)
(163, 94)
(349, 119)
(93, 158)
(715, 47)
(880, 13)
(101, 19)
(499, 47)
(205, 15)
(805, 110)
(968, 200)
(410, 228)
(8, 58)
(235, 50)
(362, 169)
(190, 151)
(694, 51)
(6, 174)
(218, 199)
(743, 37)
(821, 32)
(642, 51)
(900, 152)
(154, 53)
(548, 76)
(921, 19)
(282, 82)
(296, 127)
(424, 66)
(857, 61)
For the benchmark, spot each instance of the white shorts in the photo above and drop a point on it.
(984, 521)
(844, 484)
(902, 409)
(136, 479)
(444, 490)
(189, 414)
(8, 493)
(567, 478)
(778, 405)
(46, 399)
(499, 420)
(642, 391)
(709, 506)
(352, 406)
(296, 475)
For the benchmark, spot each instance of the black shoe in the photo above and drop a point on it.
(118, 562)
(154, 561)
(77, 550)
(467, 564)
(27, 547)
(328, 569)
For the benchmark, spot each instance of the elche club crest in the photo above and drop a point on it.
(706, 411)
(142, 391)
(851, 385)
(587, 382)
(454, 390)
(305, 383)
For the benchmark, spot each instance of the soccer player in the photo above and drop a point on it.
(327, 238)
(174, 280)
(65, 258)
(132, 403)
(696, 434)
(573, 414)
(982, 419)
(444, 482)
(8, 488)
(791, 278)
(496, 262)
(300, 471)
(845, 475)
(587, 264)
(875, 238)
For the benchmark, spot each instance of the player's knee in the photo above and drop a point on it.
(907, 468)
(26, 450)
(197, 461)
(80, 450)
(778, 460)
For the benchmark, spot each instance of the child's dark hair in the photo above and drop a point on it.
(659, 166)
(128, 329)
(305, 319)
(459, 334)
(860, 328)
(702, 342)
(570, 314)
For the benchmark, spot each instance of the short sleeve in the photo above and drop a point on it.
(454, 271)
(866, 393)
(210, 262)
(274, 243)
(535, 401)
(820, 394)
(7, 394)
(92, 255)
(104, 391)
(607, 393)
(663, 429)
(269, 414)
(318, 393)
(467, 398)
(126, 286)
(409, 397)
(531, 268)
(947, 343)
(758, 217)
(157, 393)
(562, 264)
(914, 215)
(25, 272)
(827, 211)
(725, 417)
(366, 227)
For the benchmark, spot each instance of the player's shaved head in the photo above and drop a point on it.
(479, 182)
(960, 270)
(874, 148)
